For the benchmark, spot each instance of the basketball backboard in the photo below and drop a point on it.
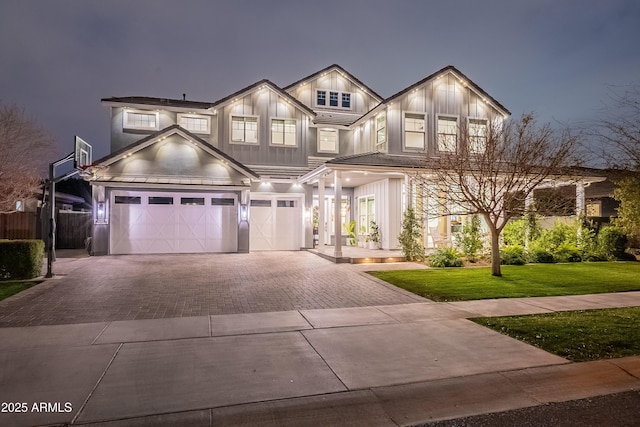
(83, 153)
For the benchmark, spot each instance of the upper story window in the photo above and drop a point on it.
(140, 120)
(244, 129)
(414, 131)
(327, 140)
(346, 100)
(333, 99)
(321, 98)
(381, 131)
(336, 99)
(283, 132)
(477, 135)
(195, 123)
(447, 134)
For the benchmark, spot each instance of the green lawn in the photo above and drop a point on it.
(576, 335)
(12, 287)
(532, 280)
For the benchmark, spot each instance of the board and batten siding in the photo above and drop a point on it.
(266, 105)
(388, 202)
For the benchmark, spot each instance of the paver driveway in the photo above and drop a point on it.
(157, 286)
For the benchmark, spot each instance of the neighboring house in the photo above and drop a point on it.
(253, 170)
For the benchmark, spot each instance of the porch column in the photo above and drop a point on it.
(407, 192)
(580, 198)
(321, 219)
(528, 204)
(337, 183)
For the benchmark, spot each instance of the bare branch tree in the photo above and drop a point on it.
(25, 149)
(495, 168)
(619, 129)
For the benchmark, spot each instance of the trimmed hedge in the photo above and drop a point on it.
(21, 259)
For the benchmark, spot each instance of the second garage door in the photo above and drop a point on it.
(276, 223)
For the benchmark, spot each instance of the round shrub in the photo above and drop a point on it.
(512, 255)
(541, 256)
(612, 242)
(445, 257)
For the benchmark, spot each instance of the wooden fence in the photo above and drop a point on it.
(72, 228)
(19, 225)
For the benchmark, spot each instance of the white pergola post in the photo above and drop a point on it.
(321, 224)
(337, 184)
(580, 198)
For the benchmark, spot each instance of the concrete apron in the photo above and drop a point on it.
(386, 365)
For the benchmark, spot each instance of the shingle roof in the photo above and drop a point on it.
(166, 102)
(380, 159)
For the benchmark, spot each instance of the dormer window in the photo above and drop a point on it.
(337, 99)
(140, 120)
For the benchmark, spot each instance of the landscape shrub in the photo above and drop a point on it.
(21, 259)
(445, 257)
(469, 240)
(612, 242)
(512, 255)
(567, 252)
(410, 237)
(539, 255)
(514, 233)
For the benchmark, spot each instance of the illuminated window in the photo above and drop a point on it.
(477, 135)
(195, 123)
(141, 120)
(328, 140)
(283, 132)
(366, 213)
(19, 206)
(594, 209)
(414, 131)
(447, 134)
(381, 132)
(244, 129)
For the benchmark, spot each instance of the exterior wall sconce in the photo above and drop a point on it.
(100, 216)
(244, 212)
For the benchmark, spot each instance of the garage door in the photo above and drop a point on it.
(164, 222)
(275, 223)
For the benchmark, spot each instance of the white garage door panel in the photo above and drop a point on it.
(275, 227)
(172, 228)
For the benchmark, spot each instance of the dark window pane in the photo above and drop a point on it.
(286, 203)
(333, 99)
(322, 98)
(128, 200)
(346, 100)
(262, 203)
(160, 200)
(192, 201)
(223, 202)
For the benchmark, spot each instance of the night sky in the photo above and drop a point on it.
(556, 58)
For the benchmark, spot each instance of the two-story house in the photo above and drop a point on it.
(257, 170)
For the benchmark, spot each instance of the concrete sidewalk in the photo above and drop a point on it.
(385, 365)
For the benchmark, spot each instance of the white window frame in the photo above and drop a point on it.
(207, 131)
(368, 216)
(381, 131)
(405, 131)
(327, 99)
(244, 142)
(127, 123)
(284, 134)
(451, 118)
(473, 137)
(337, 146)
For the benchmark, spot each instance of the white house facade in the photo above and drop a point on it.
(261, 169)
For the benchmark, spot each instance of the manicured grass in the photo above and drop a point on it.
(12, 287)
(532, 280)
(576, 335)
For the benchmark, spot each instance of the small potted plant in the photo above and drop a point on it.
(350, 228)
(374, 236)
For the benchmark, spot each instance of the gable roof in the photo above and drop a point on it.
(343, 72)
(175, 129)
(461, 77)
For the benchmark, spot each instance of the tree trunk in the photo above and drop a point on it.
(495, 251)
